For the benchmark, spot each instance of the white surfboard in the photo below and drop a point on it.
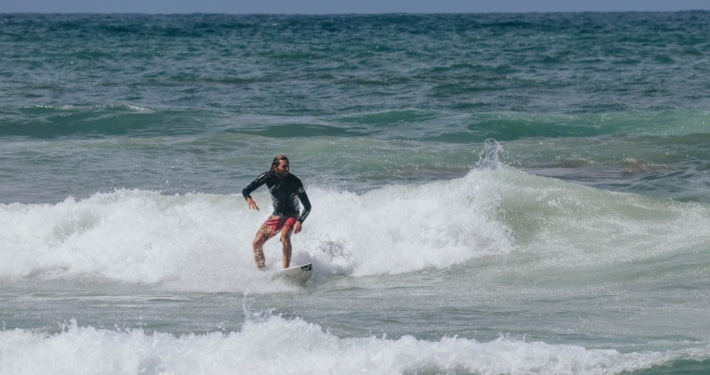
(294, 275)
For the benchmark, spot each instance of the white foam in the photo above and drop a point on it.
(199, 241)
(274, 345)
(203, 242)
(405, 228)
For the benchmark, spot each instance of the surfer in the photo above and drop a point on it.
(286, 190)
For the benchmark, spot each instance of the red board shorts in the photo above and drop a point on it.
(275, 224)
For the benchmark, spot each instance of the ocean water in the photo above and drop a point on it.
(492, 193)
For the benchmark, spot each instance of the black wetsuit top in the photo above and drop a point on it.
(285, 194)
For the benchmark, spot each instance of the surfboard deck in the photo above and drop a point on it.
(294, 275)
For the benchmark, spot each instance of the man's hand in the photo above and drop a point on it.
(297, 227)
(252, 205)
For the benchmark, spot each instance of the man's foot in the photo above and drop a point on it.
(260, 264)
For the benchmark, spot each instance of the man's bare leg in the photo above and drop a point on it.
(287, 248)
(258, 245)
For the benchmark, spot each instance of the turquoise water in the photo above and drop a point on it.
(493, 194)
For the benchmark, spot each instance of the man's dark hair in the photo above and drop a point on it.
(277, 160)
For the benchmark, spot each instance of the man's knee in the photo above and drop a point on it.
(258, 242)
(286, 239)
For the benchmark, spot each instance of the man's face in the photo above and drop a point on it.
(282, 168)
